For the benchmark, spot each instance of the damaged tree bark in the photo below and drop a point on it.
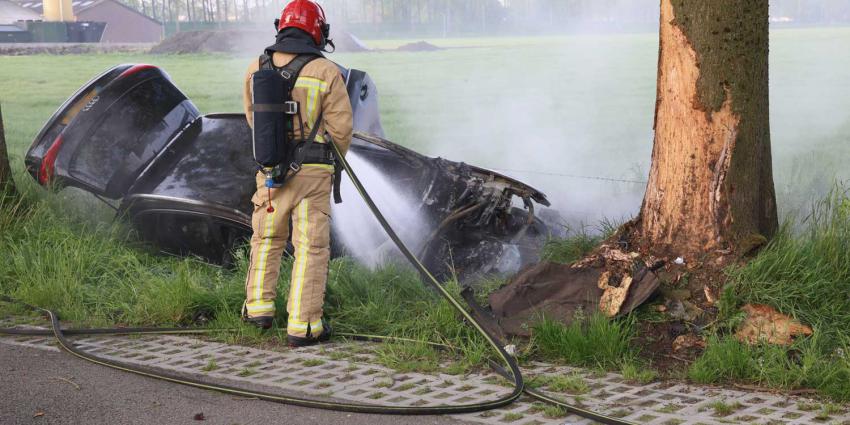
(7, 185)
(711, 180)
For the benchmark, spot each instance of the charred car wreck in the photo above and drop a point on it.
(185, 180)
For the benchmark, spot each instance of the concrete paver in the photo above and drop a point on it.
(348, 371)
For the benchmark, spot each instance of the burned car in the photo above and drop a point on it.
(185, 180)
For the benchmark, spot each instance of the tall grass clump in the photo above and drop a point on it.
(808, 363)
(577, 243)
(571, 248)
(96, 274)
(803, 272)
(594, 341)
(392, 301)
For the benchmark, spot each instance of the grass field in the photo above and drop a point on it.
(578, 105)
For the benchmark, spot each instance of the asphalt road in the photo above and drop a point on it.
(34, 390)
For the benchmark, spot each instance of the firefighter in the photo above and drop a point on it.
(304, 198)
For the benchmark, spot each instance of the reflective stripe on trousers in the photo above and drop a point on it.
(306, 199)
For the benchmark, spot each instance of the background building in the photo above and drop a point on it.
(123, 24)
(11, 28)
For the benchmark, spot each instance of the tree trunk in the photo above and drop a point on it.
(7, 185)
(711, 180)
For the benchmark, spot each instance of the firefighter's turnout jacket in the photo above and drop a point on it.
(305, 198)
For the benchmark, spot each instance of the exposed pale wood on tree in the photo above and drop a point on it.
(710, 184)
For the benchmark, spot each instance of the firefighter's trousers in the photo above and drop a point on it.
(306, 199)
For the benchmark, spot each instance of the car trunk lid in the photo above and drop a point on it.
(110, 131)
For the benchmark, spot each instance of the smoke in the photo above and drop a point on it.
(559, 113)
(572, 114)
(361, 234)
(563, 114)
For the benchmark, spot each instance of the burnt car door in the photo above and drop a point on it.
(110, 130)
(195, 198)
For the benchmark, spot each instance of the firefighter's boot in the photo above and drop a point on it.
(324, 336)
(264, 323)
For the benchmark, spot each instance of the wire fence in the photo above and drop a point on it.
(574, 176)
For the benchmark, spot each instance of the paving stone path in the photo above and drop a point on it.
(348, 371)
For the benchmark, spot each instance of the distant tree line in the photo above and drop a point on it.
(470, 16)
(457, 16)
(203, 10)
(812, 11)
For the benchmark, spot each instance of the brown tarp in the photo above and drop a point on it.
(558, 291)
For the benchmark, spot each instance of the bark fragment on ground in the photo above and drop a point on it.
(688, 342)
(765, 324)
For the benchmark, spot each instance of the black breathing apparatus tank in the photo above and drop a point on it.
(274, 115)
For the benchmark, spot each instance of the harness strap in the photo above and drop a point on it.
(289, 73)
(293, 68)
(270, 107)
(300, 153)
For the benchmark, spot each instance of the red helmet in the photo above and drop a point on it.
(307, 16)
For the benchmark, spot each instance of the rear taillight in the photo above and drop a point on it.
(49, 161)
(135, 69)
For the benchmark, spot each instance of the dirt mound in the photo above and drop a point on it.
(419, 46)
(238, 41)
(225, 41)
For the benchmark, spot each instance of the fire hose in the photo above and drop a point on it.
(509, 369)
